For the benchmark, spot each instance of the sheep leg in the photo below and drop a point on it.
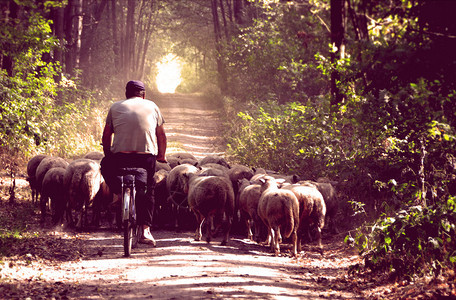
(294, 240)
(229, 223)
(209, 228)
(248, 224)
(199, 221)
(275, 245)
(43, 202)
(320, 246)
(269, 237)
(258, 228)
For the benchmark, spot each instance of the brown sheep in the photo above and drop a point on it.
(249, 197)
(82, 181)
(279, 210)
(32, 165)
(52, 189)
(211, 198)
(175, 182)
(45, 165)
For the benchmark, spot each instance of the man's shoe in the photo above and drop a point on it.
(147, 238)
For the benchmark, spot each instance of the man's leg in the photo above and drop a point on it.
(146, 207)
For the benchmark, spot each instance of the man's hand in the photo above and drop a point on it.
(162, 160)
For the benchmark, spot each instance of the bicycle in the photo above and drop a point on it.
(131, 230)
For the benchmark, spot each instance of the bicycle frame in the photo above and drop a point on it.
(128, 206)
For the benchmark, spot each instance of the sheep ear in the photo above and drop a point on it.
(280, 180)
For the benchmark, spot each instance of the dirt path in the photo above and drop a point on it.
(179, 267)
(192, 124)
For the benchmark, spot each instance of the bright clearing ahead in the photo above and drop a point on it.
(169, 74)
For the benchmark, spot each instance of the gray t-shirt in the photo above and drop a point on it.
(134, 122)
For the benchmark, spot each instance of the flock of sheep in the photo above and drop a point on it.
(217, 193)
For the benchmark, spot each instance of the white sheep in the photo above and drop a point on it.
(329, 194)
(312, 210)
(279, 210)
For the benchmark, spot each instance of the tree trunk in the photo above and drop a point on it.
(59, 34)
(337, 36)
(225, 25)
(129, 46)
(220, 67)
(88, 33)
(147, 34)
(11, 12)
(115, 37)
(73, 29)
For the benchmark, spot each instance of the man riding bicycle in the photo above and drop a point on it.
(139, 141)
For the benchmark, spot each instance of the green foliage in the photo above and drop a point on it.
(287, 138)
(417, 240)
(273, 58)
(37, 113)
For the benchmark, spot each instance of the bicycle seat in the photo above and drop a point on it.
(130, 175)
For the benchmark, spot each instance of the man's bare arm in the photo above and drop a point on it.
(106, 139)
(161, 142)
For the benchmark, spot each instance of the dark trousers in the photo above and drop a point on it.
(145, 199)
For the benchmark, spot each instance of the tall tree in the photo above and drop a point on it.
(92, 17)
(337, 37)
(73, 30)
(218, 47)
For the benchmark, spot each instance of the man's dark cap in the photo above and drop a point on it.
(135, 85)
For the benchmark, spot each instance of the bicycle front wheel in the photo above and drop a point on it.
(127, 224)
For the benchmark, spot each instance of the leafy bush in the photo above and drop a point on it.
(286, 138)
(417, 240)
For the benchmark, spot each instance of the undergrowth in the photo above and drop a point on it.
(413, 241)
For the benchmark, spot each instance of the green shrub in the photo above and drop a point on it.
(416, 240)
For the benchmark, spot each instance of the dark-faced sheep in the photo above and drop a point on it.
(279, 177)
(82, 180)
(215, 159)
(175, 159)
(211, 198)
(32, 165)
(94, 155)
(162, 166)
(175, 183)
(279, 210)
(312, 210)
(52, 189)
(104, 203)
(45, 165)
(236, 173)
(211, 170)
(163, 209)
